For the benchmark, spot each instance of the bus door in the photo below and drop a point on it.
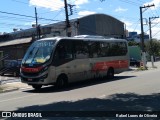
(63, 59)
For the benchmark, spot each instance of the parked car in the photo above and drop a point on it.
(11, 67)
(134, 62)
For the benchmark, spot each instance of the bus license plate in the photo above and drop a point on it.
(29, 79)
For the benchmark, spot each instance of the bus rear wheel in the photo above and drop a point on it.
(61, 82)
(37, 87)
(110, 73)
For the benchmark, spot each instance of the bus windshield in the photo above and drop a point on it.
(39, 52)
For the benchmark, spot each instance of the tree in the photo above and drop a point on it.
(155, 49)
(133, 43)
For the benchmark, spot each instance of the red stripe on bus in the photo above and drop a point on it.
(31, 70)
(103, 66)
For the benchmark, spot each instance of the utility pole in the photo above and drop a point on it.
(150, 31)
(142, 36)
(38, 36)
(68, 33)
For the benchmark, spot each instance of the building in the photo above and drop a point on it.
(15, 44)
(15, 49)
(133, 36)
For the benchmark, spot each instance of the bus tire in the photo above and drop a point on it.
(37, 87)
(15, 74)
(62, 81)
(110, 73)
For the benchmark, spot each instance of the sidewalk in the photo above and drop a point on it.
(156, 64)
(8, 84)
(13, 83)
(13, 86)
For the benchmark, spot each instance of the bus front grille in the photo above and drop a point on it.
(30, 74)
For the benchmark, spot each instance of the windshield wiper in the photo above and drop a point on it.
(29, 54)
(35, 55)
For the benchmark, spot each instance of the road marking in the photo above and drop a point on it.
(17, 98)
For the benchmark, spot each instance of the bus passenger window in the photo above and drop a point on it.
(64, 51)
(81, 50)
(61, 52)
(105, 49)
(94, 50)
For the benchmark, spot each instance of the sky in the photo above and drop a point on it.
(20, 14)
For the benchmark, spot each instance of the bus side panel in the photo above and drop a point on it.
(81, 68)
(52, 74)
(100, 66)
(96, 67)
(76, 70)
(66, 69)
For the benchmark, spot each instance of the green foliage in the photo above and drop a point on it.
(153, 47)
(133, 43)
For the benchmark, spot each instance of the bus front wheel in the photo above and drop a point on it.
(110, 73)
(37, 87)
(15, 74)
(61, 82)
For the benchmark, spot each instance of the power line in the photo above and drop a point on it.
(11, 24)
(136, 25)
(153, 26)
(152, 11)
(21, 19)
(20, 2)
(26, 16)
(156, 12)
(45, 12)
(8, 18)
(56, 15)
(156, 33)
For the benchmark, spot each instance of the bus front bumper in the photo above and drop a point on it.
(35, 80)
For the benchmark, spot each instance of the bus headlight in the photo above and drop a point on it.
(43, 77)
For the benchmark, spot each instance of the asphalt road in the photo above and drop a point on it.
(128, 91)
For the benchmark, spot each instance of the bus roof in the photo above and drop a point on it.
(84, 39)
